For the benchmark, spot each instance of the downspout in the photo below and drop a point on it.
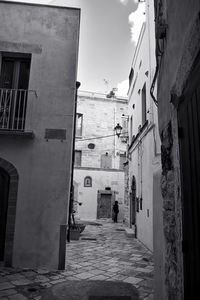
(72, 166)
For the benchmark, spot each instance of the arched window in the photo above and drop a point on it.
(88, 181)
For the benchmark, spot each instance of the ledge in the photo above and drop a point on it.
(98, 169)
(23, 134)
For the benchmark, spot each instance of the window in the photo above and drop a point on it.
(144, 108)
(88, 181)
(79, 124)
(131, 76)
(140, 203)
(14, 80)
(77, 158)
(122, 159)
(106, 161)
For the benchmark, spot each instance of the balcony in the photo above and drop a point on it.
(13, 110)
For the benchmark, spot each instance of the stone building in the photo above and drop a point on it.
(178, 66)
(99, 155)
(38, 66)
(144, 141)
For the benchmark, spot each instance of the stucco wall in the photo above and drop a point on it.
(142, 166)
(181, 16)
(100, 180)
(50, 34)
(144, 140)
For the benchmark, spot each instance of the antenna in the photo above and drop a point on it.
(106, 82)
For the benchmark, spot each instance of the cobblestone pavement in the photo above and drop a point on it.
(103, 253)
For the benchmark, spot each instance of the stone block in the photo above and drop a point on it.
(130, 232)
(21, 282)
(5, 286)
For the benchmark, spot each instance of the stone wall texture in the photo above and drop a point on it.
(179, 50)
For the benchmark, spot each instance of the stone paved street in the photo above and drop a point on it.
(104, 253)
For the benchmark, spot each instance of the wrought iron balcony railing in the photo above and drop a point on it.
(13, 105)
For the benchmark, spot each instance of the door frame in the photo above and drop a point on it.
(11, 212)
(107, 192)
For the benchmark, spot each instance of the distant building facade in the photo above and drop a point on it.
(144, 141)
(99, 156)
(38, 66)
(178, 64)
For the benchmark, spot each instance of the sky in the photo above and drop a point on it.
(109, 30)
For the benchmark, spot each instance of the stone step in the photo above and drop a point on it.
(130, 232)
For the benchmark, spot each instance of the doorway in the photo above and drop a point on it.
(105, 200)
(133, 202)
(4, 191)
(189, 143)
(104, 206)
(9, 179)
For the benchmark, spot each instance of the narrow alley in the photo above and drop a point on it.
(99, 149)
(105, 261)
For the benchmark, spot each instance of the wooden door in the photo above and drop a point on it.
(189, 142)
(4, 189)
(104, 206)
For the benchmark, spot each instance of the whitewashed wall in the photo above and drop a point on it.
(88, 195)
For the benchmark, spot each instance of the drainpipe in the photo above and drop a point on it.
(72, 171)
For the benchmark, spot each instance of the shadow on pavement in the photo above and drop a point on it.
(91, 290)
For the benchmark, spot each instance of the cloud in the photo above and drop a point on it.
(122, 88)
(126, 1)
(136, 19)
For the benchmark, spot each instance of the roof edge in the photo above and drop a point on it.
(39, 4)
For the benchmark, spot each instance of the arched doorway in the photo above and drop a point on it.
(4, 191)
(8, 202)
(133, 203)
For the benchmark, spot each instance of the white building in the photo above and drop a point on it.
(99, 156)
(144, 142)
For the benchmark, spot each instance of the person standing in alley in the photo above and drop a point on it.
(116, 211)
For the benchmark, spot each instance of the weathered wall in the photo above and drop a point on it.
(158, 239)
(100, 180)
(50, 34)
(180, 49)
(100, 116)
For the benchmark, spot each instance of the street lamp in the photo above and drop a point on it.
(118, 129)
